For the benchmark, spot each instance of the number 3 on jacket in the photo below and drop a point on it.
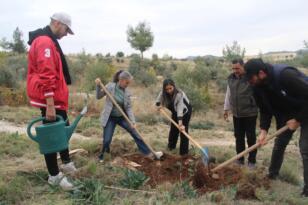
(47, 53)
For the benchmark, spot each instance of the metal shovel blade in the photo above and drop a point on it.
(205, 155)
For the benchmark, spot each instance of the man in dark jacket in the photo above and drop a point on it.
(239, 99)
(281, 91)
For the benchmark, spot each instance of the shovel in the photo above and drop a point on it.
(204, 150)
(157, 155)
(250, 149)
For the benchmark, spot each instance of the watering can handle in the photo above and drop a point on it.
(30, 125)
(35, 121)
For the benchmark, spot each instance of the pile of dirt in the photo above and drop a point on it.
(170, 168)
(173, 168)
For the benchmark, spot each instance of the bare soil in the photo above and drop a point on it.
(172, 168)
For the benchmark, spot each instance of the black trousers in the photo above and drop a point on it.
(174, 134)
(281, 143)
(51, 158)
(245, 126)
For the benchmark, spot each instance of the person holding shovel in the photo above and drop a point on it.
(281, 91)
(177, 102)
(239, 99)
(111, 115)
(47, 80)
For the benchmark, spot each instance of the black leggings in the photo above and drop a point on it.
(51, 158)
(174, 134)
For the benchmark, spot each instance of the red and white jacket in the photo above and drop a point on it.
(45, 76)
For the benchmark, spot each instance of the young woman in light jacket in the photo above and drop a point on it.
(177, 102)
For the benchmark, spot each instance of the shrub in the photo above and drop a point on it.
(221, 80)
(13, 97)
(100, 70)
(133, 179)
(142, 71)
(6, 78)
(191, 83)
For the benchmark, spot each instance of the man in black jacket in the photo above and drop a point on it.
(281, 91)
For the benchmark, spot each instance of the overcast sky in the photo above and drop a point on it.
(181, 28)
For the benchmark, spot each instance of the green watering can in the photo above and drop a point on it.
(53, 137)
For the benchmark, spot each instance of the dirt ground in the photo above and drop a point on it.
(173, 168)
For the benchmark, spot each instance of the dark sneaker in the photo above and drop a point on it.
(212, 159)
(101, 158)
(272, 176)
(304, 192)
(251, 165)
(239, 162)
(172, 150)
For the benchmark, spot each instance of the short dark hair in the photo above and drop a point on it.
(238, 60)
(253, 66)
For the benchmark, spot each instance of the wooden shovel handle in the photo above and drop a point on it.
(246, 151)
(162, 110)
(125, 116)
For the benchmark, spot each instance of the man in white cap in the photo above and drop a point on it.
(47, 80)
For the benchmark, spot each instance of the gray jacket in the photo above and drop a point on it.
(179, 105)
(109, 105)
(239, 98)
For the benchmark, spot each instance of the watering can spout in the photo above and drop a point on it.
(70, 129)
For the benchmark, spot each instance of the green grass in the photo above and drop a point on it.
(289, 171)
(92, 192)
(204, 125)
(92, 146)
(23, 173)
(222, 155)
(281, 193)
(18, 115)
(15, 145)
(89, 126)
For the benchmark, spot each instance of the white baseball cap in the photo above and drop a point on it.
(65, 19)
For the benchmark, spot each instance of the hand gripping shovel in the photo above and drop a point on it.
(250, 149)
(157, 155)
(204, 150)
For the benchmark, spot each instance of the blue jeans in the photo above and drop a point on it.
(109, 130)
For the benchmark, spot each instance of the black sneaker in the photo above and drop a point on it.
(304, 192)
(101, 158)
(272, 176)
(251, 165)
(239, 162)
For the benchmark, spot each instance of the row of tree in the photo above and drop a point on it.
(140, 38)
